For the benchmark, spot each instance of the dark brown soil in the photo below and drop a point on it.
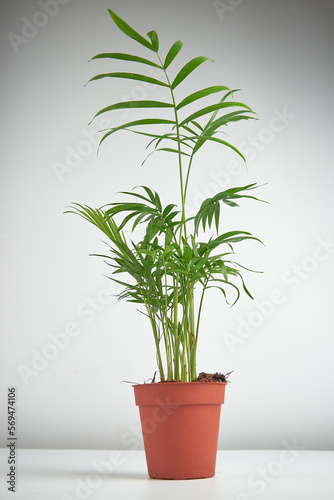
(204, 377)
(211, 377)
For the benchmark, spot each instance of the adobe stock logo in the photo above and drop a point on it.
(292, 279)
(260, 480)
(31, 27)
(250, 148)
(98, 472)
(59, 340)
(74, 156)
(223, 8)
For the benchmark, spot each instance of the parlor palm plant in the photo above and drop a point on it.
(170, 261)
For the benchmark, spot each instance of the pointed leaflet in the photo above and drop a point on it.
(221, 289)
(130, 76)
(214, 114)
(134, 104)
(228, 238)
(213, 125)
(136, 195)
(170, 137)
(233, 193)
(154, 39)
(197, 125)
(229, 117)
(199, 94)
(213, 107)
(188, 68)
(125, 57)
(244, 286)
(157, 202)
(149, 193)
(202, 139)
(159, 138)
(130, 32)
(168, 150)
(145, 121)
(232, 237)
(217, 215)
(172, 53)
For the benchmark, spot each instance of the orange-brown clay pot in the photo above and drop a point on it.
(180, 424)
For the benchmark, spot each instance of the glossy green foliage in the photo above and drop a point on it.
(169, 269)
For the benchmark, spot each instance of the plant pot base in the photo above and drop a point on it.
(182, 477)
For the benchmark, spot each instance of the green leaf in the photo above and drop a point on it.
(233, 193)
(187, 69)
(217, 215)
(129, 217)
(158, 138)
(245, 288)
(130, 76)
(157, 202)
(230, 284)
(126, 57)
(168, 150)
(210, 214)
(220, 141)
(137, 195)
(224, 120)
(232, 237)
(197, 125)
(231, 92)
(188, 129)
(212, 126)
(138, 220)
(213, 107)
(168, 209)
(172, 53)
(226, 197)
(171, 137)
(130, 32)
(134, 104)
(199, 94)
(172, 150)
(145, 121)
(150, 194)
(154, 39)
(214, 114)
(127, 252)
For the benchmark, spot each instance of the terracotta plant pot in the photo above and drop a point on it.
(180, 424)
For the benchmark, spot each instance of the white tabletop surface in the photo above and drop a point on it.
(102, 475)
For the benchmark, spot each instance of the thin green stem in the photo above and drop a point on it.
(167, 334)
(183, 216)
(200, 309)
(156, 337)
(192, 339)
(187, 177)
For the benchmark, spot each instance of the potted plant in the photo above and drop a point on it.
(176, 259)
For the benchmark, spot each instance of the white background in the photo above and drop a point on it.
(280, 346)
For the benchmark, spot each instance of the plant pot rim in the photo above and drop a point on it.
(179, 393)
(179, 382)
